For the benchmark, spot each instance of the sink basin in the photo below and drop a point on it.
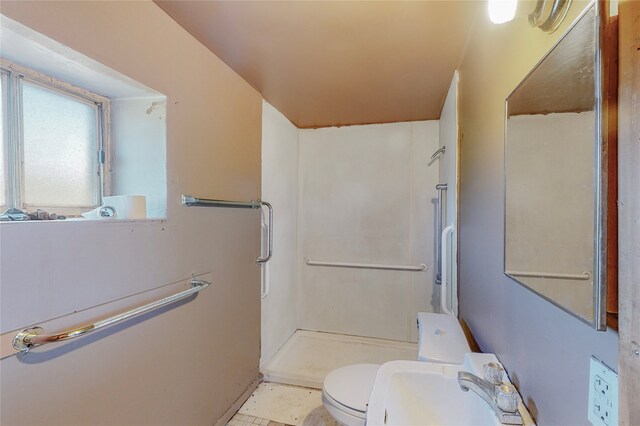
(424, 393)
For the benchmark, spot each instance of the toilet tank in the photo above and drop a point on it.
(441, 339)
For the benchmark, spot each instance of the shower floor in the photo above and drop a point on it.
(308, 356)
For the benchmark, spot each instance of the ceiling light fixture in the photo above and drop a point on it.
(549, 14)
(501, 11)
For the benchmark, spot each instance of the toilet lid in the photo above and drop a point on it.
(351, 386)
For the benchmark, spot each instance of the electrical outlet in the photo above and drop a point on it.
(603, 394)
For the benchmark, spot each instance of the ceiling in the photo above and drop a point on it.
(333, 63)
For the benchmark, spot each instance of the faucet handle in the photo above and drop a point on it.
(507, 398)
(493, 373)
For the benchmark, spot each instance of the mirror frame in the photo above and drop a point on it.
(600, 174)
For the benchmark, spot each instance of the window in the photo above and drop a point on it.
(54, 144)
(63, 147)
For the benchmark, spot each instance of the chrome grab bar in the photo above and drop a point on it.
(189, 201)
(421, 267)
(31, 337)
(265, 285)
(583, 276)
(442, 150)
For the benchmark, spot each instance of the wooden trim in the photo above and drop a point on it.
(611, 98)
(473, 344)
(629, 212)
(612, 321)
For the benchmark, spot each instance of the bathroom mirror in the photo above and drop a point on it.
(555, 215)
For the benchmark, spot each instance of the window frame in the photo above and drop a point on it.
(8, 201)
(14, 75)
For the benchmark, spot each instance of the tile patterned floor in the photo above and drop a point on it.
(246, 420)
(274, 404)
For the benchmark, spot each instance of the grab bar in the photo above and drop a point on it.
(445, 288)
(440, 188)
(262, 260)
(265, 285)
(420, 268)
(442, 149)
(583, 276)
(31, 337)
(189, 201)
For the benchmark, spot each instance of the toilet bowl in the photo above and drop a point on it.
(346, 390)
(342, 393)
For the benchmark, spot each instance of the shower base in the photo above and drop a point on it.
(308, 356)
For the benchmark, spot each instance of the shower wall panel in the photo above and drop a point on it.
(280, 188)
(367, 195)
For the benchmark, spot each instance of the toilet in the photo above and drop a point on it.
(346, 390)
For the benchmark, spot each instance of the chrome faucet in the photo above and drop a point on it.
(502, 397)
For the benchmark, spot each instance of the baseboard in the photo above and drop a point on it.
(236, 405)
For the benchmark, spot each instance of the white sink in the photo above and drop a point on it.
(424, 393)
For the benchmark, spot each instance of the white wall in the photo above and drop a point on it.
(367, 194)
(449, 174)
(138, 151)
(280, 188)
(186, 365)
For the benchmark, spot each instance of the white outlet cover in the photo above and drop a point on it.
(603, 394)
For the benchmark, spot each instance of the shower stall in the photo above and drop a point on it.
(358, 220)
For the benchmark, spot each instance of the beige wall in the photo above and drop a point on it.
(189, 364)
(545, 350)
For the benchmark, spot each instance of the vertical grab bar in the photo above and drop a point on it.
(264, 267)
(440, 187)
(445, 287)
(266, 287)
(263, 260)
